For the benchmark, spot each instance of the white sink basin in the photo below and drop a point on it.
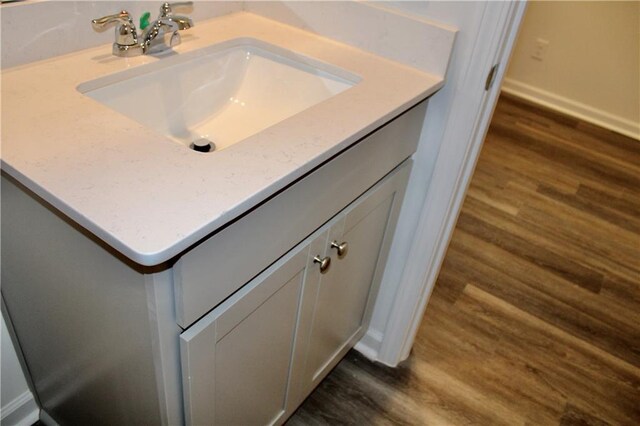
(223, 93)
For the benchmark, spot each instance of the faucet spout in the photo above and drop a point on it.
(163, 33)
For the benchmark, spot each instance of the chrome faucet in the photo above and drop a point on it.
(160, 35)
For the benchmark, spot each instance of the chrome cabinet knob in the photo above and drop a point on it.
(342, 248)
(324, 262)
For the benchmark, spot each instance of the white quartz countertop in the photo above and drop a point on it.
(151, 198)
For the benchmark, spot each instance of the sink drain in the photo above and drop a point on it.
(203, 145)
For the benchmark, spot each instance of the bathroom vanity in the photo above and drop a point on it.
(150, 283)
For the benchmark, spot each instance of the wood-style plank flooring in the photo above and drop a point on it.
(535, 317)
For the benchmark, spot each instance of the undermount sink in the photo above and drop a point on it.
(221, 94)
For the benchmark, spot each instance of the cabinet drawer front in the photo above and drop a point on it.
(213, 270)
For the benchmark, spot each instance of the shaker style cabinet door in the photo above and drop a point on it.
(358, 245)
(255, 357)
(236, 359)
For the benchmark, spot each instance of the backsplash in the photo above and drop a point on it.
(35, 30)
(368, 26)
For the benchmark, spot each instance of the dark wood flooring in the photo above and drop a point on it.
(535, 317)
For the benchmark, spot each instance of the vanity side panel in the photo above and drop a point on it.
(81, 318)
(216, 268)
(165, 342)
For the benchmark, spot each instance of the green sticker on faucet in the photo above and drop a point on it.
(144, 20)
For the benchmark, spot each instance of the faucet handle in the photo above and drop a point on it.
(168, 8)
(126, 33)
(100, 24)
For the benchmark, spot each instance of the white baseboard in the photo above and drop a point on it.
(573, 108)
(21, 411)
(369, 345)
(47, 419)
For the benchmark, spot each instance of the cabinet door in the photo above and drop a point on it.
(236, 360)
(346, 292)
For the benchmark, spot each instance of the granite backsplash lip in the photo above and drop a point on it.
(150, 198)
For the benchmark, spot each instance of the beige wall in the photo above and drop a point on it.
(592, 63)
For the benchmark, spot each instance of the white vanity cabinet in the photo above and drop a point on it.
(146, 283)
(237, 329)
(253, 359)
